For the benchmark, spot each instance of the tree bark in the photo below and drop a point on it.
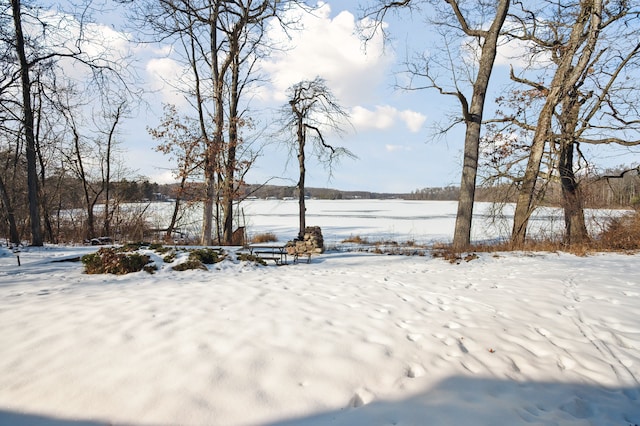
(14, 236)
(473, 120)
(32, 175)
(176, 210)
(572, 203)
(575, 228)
(566, 76)
(232, 144)
(302, 209)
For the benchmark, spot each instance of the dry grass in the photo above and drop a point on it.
(621, 234)
(267, 237)
(356, 239)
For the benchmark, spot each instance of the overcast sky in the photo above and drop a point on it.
(392, 131)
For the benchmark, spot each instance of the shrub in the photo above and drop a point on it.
(133, 246)
(170, 257)
(621, 233)
(267, 237)
(357, 239)
(190, 264)
(247, 257)
(208, 256)
(160, 249)
(119, 261)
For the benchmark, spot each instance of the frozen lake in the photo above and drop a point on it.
(423, 222)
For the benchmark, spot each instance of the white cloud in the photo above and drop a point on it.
(164, 76)
(511, 52)
(385, 117)
(166, 176)
(519, 55)
(329, 47)
(414, 120)
(382, 118)
(396, 148)
(92, 42)
(105, 42)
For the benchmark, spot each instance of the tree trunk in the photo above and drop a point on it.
(566, 77)
(91, 233)
(473, 120)
(527, 192)
(229, 195)
(14, 236)
(572, 202)
(211, 146)
(575, 227)
(462, 232)
(230, 167)
(32, 175)
(207, 219)
(174, 218)
(301, 190)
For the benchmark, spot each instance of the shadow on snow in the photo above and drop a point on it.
(485, 401)
(453, 401)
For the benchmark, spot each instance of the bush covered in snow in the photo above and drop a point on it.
(118, 261)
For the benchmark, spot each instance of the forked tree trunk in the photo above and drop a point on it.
(176, 209)
(566, 77)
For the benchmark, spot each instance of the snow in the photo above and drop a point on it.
(348, 339)
(424, 222)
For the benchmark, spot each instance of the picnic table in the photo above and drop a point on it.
(270, 251)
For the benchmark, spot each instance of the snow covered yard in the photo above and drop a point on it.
(349, 339)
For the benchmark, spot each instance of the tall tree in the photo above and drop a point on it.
(587, 23)
(219, 42)
(311, 113)
(43, 67)
(481, 23)
(181, 139)
(245, 34)
(570, 38)
(28, 120)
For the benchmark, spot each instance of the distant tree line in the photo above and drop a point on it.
(615, 188)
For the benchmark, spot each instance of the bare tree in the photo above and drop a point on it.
(111, 119)
(182, 140)
(27, 111)
(39, 65)
(311, 113)
(246, 46)
(570, 37)
(14, 235)
(588, 22)
(220, 41)
(481, 26)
